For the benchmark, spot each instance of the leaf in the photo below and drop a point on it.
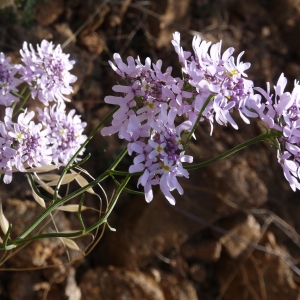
(42, 169)
(70, 244)
(83, 182)
(4, 224)
(36, 197)
(48, 177)
(71, 207)
(46, 187)
(67, 179)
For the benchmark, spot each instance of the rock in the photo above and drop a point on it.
(48, 11)
(205, 250)
(260, 275)
(92, 42)
(113, 283)
(22, 286)
(240, 185)
(198, 273)
(117, 13)
(176, 289)
(146, 231)
(241, 230)
(173, 15)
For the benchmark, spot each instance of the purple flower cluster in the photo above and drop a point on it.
(146, 120)
(211, 74)
(282, 113)
(58, 135)
(65, 132)
(47, 72)
(152, 99)
(23, 144)
(8, 81)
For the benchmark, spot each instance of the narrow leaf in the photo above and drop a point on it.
(70, 244)
(67, 179)
(71, 207)
(46, 187)
(48, 177)
(36, 197)
(4, 224)
(83, 182)
(42, 169)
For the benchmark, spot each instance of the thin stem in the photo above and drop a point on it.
(263, 137)
(19, 96)
(103, 220)
(198, 120)
(68, 166)
(22, 103)
(60, 202)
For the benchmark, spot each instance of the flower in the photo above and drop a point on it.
(208, 73)
(282, 114)
(47, 72)
(65, 132)
(8, 81)
(23, 144)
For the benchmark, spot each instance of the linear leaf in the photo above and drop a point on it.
(70, 244)
(48, 177)
(71, 207)
(4, 224)
(83, 182)
(36, 197)
(67, 179)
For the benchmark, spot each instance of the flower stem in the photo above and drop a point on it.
(69, 165)
(269, 135)
(198, 120)
(22, 103)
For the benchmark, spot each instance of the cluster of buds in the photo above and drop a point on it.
(58, 135)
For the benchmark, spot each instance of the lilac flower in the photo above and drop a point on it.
(64, 132)
(8, 81)
(282, 114)
(47, 72)
(23, 144)
(211, 73)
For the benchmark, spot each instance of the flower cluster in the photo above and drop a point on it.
(282, 113)
(47, 72)
(146, 120)
(213, 85)
(58, 135)
(8, 81)
(65, 132)
(211, 74)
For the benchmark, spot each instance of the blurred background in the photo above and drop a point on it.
(233, 234)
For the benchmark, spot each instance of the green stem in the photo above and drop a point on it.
(22, 103)
(21, 240)
(68, 166)
(198, 120)
(270, 134)
(74, 194)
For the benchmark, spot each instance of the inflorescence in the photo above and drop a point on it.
(58, 135)
(157, 113)
(212, 87)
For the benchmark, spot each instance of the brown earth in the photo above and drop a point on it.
(233, 234)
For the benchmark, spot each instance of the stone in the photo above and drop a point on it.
(48, 11)
(259, 275)
(241, 230)
(115, 283)
(205, 250)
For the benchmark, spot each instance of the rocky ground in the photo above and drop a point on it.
(233, 234)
